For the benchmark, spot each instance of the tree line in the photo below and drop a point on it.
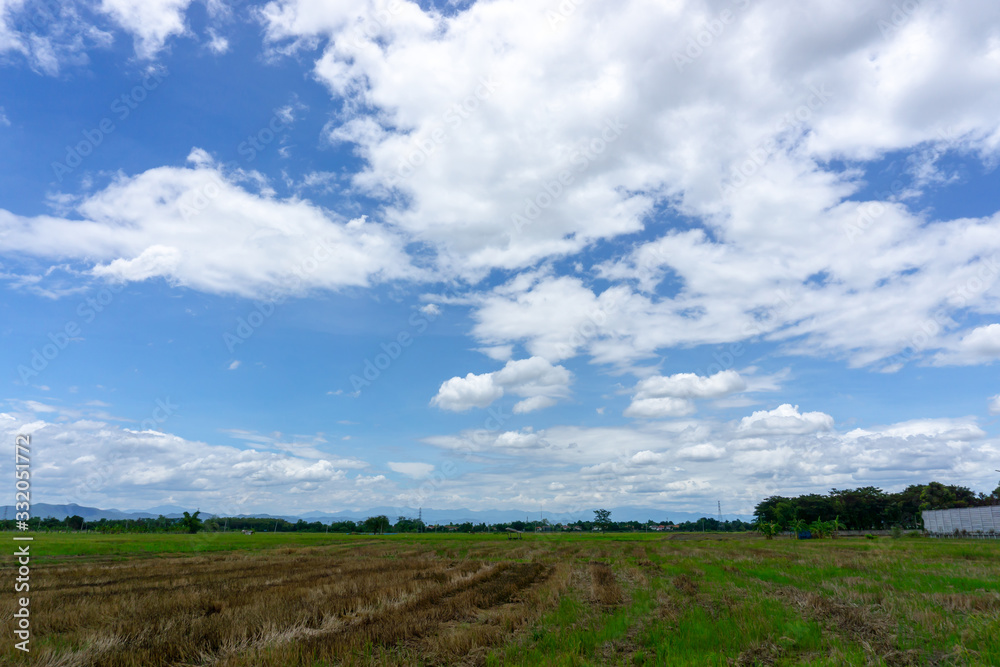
(865, 508)
(869, 507)
(192, 523)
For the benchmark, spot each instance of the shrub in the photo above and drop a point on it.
(869, 536)
(897, 532)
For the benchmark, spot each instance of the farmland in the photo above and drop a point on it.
(682, 599)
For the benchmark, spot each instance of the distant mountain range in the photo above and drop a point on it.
(430, 515)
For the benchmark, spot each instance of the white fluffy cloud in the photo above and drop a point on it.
(473, 391)
(199, 227)
(537, 381)
(994, 405)
(746, 142)
(785, 420)
(981, 345)
(502, 137)
(660, 396)
(691, 385)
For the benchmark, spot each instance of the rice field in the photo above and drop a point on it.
(684, 599)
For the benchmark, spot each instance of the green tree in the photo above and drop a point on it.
(191, 522)
(74, 522)
(377, 524)
(602, 518)
(937, 496)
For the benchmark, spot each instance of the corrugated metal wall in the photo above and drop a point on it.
(969, 519)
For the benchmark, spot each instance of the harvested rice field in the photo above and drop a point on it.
(683, 599)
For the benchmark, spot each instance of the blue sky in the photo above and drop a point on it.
(298, 255)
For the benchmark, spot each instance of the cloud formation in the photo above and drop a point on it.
(537, 381)
(199, 227)
(659, 396)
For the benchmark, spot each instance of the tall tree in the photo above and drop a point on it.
(602, 518)
(191, 522)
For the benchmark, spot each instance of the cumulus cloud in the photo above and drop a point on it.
(473, 391)
(660, 396)
(691, 385)
(199, 227)
(536, 380)
(518, 440)
(784, 420)
(784, 246)
(981, 345)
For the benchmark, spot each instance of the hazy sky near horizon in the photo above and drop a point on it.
(305, 255)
